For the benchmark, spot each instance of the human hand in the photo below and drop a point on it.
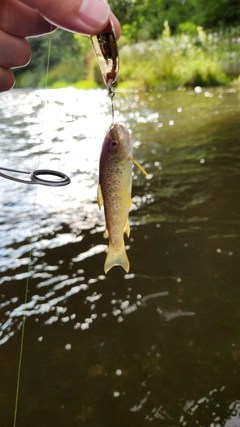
(26, 18)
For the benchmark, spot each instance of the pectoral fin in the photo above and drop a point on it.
(138, 165)
(99, 196)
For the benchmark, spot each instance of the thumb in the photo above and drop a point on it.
(80, 16)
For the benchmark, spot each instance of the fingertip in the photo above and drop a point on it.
(116, 25)
(7, 79)
(113, 22)
(26, 53)
(14, 51)
(93, 16)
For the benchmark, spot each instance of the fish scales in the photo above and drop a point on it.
(116, 189)
(114, 192)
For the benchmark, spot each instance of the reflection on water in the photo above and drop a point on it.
(159, 345)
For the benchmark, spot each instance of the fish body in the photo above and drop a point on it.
(114, 192)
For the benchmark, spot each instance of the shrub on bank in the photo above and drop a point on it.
(189, 58)
(170, 62)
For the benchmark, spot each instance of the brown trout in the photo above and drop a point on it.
(114, 192)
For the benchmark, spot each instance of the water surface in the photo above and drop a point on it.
(160, 345)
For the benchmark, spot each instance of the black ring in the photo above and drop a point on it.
(65, 180)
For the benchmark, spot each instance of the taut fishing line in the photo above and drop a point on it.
(30, 262)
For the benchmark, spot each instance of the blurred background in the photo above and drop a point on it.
(164, 44)
(161, 344)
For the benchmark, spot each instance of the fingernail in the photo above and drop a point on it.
(94, 15)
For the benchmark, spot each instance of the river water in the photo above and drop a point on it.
(161, 344)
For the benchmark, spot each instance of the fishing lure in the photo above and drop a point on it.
(106, 51)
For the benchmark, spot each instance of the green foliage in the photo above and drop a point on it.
(68, 56)
(212, 13)
(162, 44)
(188, 28)
(59, 85)
(170, 62)
(28, 78)
(81, 84)
(94, 73)
(85, 84)
(66, 72)
(125, 10)
(144, 19)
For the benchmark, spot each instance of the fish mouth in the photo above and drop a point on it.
(121, 133)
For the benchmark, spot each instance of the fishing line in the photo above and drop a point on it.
(111, 94)
(30, 262)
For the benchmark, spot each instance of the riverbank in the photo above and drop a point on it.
(187, 59)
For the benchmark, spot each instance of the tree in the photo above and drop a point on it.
(143, 19)
(214, 13)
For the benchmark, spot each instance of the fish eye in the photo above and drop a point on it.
(114, 143)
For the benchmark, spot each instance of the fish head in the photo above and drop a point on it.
(117, 142)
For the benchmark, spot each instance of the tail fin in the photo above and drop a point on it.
(116, 257)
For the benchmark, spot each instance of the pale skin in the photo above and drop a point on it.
(28, 18)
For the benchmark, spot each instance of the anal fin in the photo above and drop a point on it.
(127, 228)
